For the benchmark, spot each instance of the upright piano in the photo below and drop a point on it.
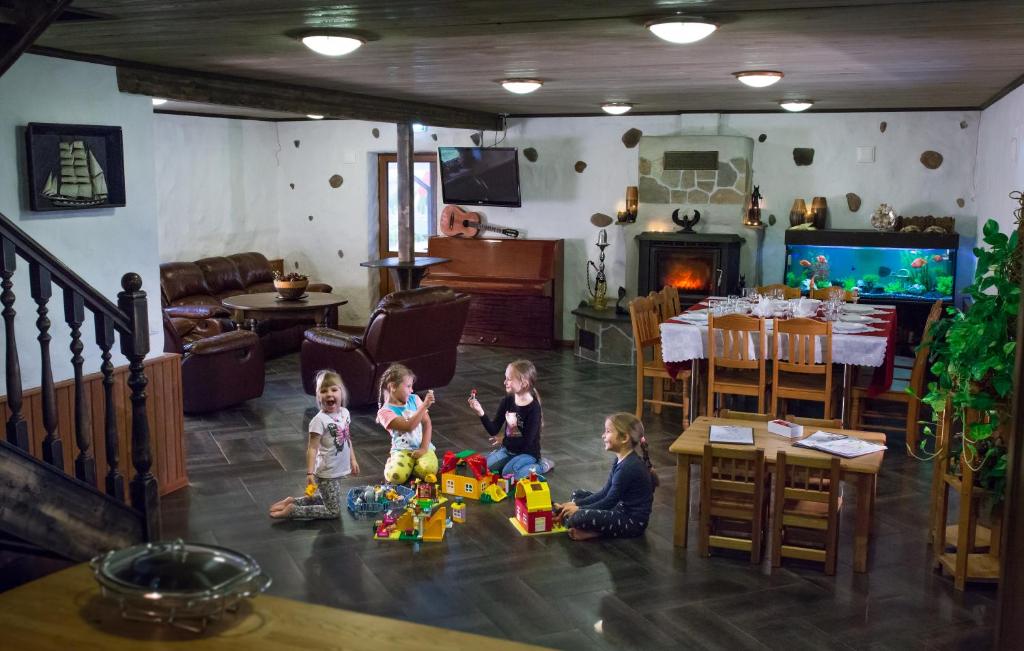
(515, 288)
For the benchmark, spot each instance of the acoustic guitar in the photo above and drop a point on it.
(456, 222)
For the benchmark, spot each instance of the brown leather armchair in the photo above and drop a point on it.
(420, 328)
(218, 369)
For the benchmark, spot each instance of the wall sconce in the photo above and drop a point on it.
(628, 216)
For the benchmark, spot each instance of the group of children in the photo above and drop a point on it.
(621, 509)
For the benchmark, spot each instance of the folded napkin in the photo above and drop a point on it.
(764, 308)
(805, 307)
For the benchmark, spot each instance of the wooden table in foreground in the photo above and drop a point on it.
(862, 471)
(262, 305)
(65, 611)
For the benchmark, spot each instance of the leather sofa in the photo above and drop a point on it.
(420, 328)
(193, 290)
(218, 369)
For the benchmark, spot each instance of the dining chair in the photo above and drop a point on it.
(733, 500)
(740, 367)
(787, 291)
(828, 423)
(865, 412)
(744, 415)
(658, 303)
(671, 305)
(826, 293)
(805, 518)
(801, 376)
(649, 364)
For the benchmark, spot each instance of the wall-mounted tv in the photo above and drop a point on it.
(480, 176)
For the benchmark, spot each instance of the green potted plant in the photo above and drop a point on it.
(972, 356)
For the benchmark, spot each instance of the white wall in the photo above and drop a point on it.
(558, 201)
(999, 171)
(100, 245)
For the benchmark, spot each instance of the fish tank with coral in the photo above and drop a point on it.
(880, 266)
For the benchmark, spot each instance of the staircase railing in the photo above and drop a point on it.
(129, 320)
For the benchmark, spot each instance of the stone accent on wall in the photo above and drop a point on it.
(336, 180)
(853, 201)
(803, 156)
(726, 185)
(960, 202)
(931, 159)
(531, 154)
(632, 138)
(882, 126)
(376, 132)
(579, 166)
(600, 220)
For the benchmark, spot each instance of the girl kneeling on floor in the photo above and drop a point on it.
(623, 507)
(406, 419)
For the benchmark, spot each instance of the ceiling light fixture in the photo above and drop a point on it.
(758, 78)
(157, 101)
(616, 108)
(681, 29)
(331, 43)
(796, 105)
(521, 86)
(314, 116)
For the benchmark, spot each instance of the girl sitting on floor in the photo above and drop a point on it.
(405, 417)
(623, 507)
(329, 455)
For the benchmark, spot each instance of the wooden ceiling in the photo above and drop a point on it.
(844, 54)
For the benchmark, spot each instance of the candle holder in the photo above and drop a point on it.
(628, 216)
(599, 292)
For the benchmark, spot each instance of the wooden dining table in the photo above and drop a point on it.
(861, 471)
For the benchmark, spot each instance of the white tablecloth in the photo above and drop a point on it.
(681, 342)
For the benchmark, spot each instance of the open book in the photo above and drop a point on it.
(731, 434)
(839, 444)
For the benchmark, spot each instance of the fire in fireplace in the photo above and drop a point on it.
(698, 264)
(688, 273)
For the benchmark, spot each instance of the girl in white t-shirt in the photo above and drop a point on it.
(329, 455)
(405, 417)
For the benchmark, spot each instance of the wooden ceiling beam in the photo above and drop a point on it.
(21, 23)
(189, 86)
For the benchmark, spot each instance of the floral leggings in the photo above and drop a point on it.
(611, 523)
(325, 503)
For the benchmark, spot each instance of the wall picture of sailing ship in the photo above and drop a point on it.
(74, 167)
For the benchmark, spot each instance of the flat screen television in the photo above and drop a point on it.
(480, 176)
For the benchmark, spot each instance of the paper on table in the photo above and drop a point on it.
(839, 444)
(731, 434)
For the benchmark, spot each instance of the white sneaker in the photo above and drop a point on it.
(546, 465)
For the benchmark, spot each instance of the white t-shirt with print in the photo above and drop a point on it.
(334, 457)
(402, 440)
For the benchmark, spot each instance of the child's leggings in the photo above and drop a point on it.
(611, 523)
(325, 503)
(400, 466)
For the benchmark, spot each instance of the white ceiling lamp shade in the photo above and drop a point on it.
(616, 108)
(331, 44)
(796, 105)
(521, 86)
(681, 29)
(758, 78)
(157, 101)
(314, 116)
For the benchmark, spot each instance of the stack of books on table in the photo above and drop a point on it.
(839, 444)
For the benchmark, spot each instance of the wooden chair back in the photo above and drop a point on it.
(803, 339)
(787, 291)
(732, 492)
(827, 423)
(806, 497)
(671, 305)
(919, 372)
(826, 293)
(744, 415)
(649, 363)
(743, 349)
(645, 320)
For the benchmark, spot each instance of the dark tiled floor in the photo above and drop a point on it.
(547, 590)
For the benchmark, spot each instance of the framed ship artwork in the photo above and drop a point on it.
(74, 166)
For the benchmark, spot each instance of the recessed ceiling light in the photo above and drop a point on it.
(681, 29)
(758, 78)
(616, 108)
(796, 105)
(157, 101)
(331, 44)
(521, 86)
(314, 116)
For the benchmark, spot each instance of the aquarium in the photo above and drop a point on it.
(884, 266)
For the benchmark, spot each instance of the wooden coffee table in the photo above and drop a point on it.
(250, 308)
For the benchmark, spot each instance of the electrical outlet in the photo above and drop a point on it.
(866, 154)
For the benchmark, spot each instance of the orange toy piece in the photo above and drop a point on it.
(310, 490)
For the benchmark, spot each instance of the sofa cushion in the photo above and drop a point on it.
(252, 268)
(222, 276)
(181, 279)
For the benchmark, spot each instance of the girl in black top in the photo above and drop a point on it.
(518, 448)
(623, 507)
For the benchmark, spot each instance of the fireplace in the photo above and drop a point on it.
(697, 264)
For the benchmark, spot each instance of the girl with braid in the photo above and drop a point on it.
(329, 455)
(623, 507)
(406, 419)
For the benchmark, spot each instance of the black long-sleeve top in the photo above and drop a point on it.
(525, 437)
(629, 484)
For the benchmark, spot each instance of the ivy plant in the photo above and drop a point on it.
(972, 356)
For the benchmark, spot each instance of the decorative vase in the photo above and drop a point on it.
(884, 218)
(797, 212)
(820, 207)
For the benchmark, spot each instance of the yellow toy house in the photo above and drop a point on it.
(533, 505)
(465, 475)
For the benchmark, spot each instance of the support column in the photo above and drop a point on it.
(406, 228)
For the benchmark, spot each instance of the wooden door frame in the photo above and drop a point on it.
(386, 286)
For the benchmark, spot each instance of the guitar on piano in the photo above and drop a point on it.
(456, 222)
